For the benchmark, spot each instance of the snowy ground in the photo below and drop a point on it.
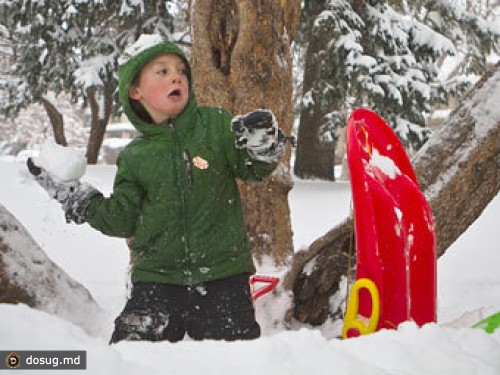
(468, 289)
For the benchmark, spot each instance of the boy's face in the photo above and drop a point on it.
(163, 87)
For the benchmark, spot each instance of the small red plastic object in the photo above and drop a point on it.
(394, 226)
(270, 283)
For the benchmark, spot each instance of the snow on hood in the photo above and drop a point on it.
(144, 42)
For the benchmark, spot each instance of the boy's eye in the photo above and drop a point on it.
(183, 71)
(162, 71)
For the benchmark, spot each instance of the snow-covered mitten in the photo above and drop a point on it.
(74, 196)
(78, 202)
(259, 134)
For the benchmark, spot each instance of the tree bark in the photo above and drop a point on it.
(28, 276)
(313, 158)
(100, 113)
(57, 121)
(241, 59)
(459, 172)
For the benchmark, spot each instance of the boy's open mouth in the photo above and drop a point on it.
(174, 93)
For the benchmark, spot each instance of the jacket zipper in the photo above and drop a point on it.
(180, 165)
(189, 168)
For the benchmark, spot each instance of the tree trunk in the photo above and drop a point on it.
(313, 158)
(57, 121)
(28, 276)
(459, 173)
(100, 113)
(241, 59)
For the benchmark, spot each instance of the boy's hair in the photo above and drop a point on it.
(136, 105)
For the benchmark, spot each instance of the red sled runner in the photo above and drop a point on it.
(394, 229)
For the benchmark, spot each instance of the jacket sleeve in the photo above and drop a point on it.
(242, 165)
(117, 215)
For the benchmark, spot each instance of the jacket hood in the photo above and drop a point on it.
(146, 48)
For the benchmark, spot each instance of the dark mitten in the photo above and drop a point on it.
(78, 202)
(259, 134)
(74, 196)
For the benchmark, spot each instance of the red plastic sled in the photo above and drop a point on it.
(394, 227)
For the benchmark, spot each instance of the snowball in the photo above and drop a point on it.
(63, 163)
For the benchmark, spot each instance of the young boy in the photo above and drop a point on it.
(175, 192)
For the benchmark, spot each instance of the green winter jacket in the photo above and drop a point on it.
(187, 221)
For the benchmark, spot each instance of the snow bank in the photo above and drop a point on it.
(468, 287)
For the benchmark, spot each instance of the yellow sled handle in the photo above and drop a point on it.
(351, 320)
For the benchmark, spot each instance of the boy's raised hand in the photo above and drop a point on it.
(254, 129)
(73, 195)
(259, 134)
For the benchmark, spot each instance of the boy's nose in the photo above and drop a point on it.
(176, 78)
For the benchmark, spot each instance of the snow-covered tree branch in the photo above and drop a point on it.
(28, 276)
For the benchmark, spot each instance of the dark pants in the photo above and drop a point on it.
(220, 310)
